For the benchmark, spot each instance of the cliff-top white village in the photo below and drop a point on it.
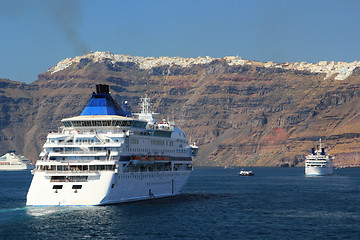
(341, 69)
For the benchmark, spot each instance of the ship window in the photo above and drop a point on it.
(107, 123)
(110, 167)
(67, 124)
(157, 142)
(57, 179)
(57, 186)
(139, 124)
(135, 124)
(61, 167)
(77, 178)
(76, 186)
(123, 123)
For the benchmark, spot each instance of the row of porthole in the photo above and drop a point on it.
(149, 176)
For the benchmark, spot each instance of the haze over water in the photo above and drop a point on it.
(277, 203)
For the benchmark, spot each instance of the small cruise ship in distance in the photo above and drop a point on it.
(12, 162)
(106, 156)
(318, 163)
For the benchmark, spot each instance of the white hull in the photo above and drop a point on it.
(319, 163)
(319, 171)
(106, 187)
(12, 162)
(105, 156)
(16, 167)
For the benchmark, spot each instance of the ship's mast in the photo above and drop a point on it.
(146, 113)
(145, 105)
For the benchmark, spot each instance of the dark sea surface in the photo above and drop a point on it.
(276, 203)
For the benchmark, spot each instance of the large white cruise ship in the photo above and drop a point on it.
(319, 163)
(12, 162)
(105, 156)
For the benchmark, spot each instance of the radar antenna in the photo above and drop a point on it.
(146, 113)
(145, 105)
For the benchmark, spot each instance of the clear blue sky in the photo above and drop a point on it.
(35, 35)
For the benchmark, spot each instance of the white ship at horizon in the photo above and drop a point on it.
(12, 162)
(319, 163)
(105, 156)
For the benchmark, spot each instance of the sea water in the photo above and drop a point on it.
(276, 203)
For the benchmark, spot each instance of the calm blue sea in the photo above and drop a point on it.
(276, 203)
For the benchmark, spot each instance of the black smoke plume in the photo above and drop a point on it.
(67, 14)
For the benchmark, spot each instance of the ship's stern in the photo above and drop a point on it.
(45, 191)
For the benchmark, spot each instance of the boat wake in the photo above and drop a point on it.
(9, 210)
(30, 211)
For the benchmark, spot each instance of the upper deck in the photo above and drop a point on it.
(113, 122)
(105, 132)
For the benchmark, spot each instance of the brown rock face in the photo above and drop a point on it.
(244, 115)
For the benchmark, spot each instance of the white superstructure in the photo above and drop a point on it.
(104, 156)
(12, 162)
(319, 163)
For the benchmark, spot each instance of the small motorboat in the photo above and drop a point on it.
(246, 173)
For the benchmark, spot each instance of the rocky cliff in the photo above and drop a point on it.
(240, 112)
